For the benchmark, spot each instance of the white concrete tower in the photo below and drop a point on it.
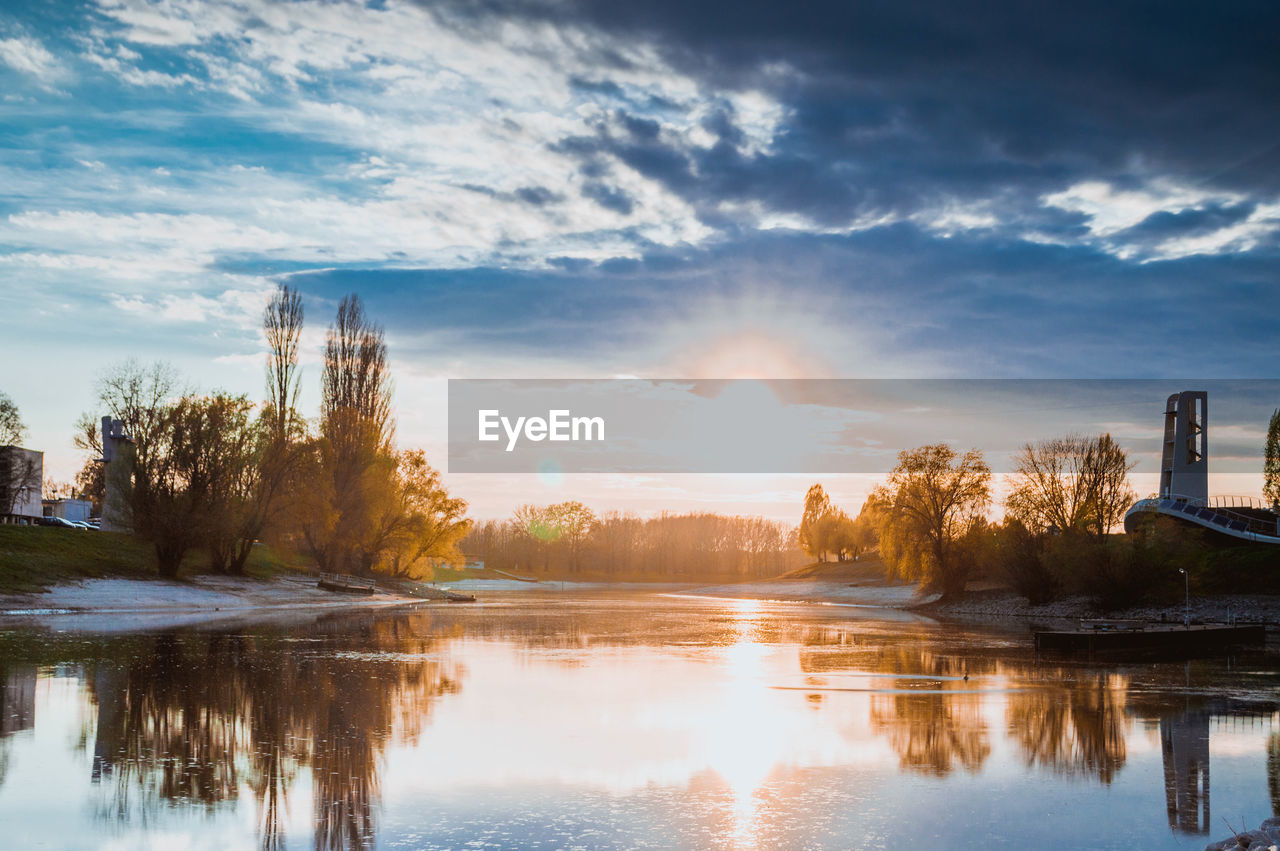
(117, 459)
(1184, 463)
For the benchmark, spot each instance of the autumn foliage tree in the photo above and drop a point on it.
(816, 506)
(927, 513)
(423, 524)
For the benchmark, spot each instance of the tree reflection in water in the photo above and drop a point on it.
(1070, 721)
(932, 723)
(1273, 772)
(197, 719)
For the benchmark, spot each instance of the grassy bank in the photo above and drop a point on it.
(869, 569)
(34, 558)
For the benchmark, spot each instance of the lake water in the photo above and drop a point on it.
(623, 719)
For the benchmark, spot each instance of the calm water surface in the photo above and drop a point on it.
(622, 720)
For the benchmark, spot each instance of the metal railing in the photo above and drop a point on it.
(1221, 506)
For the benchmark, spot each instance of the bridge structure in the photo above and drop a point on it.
(1184, 481)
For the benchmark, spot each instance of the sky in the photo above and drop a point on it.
(569, 188)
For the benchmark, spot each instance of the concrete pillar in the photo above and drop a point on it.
(1184, 461)
(117, 459)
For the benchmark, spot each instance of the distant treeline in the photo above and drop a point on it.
(568, 540)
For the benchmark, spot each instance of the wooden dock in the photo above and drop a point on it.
(1130, 636)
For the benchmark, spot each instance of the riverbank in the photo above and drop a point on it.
(36, 558)
(863, 584)
(115, 604)
(815, 591)
(1003, 603)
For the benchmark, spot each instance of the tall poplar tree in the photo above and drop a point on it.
(1271, 466)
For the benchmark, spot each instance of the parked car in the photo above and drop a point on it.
(61, 523)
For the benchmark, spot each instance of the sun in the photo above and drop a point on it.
(750, 354)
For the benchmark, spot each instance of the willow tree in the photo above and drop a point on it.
(1271, 466)
(816, 506)
(932, 502)
(425, 524)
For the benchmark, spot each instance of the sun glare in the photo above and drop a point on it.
(751, 354)
(749, 739)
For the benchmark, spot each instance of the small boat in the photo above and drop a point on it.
(341, 584)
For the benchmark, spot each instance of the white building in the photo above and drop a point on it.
(76, 510)
(21, 475)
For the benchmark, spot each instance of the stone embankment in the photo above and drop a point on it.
(1240, 608)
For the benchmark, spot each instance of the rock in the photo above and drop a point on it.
(1254, 840)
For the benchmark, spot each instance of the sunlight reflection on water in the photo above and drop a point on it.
(623, 720)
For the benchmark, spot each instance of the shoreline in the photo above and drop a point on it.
(1006, 604)
(119, 604)
(998, 603)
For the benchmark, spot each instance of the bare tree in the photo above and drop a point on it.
(357, 380)
(574, 522)
(354, 454)
(1110, 496)
(91, 481)
(233, 450)
(11, 426)
(168, 494)
(138, 395)
(282, 326)
(1072, 483)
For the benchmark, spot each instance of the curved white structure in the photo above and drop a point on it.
(1255, 523)
(1184, 480)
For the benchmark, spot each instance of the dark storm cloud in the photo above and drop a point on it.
(892, 111)
(898, 106)
(609, 197)
(1165, 225)
(534, 196)
(988, 307)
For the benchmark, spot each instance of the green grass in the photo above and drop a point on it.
(34, 558)
(868, 569)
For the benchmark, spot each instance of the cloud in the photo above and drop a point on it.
(28, 56)
(933, 189)
(1165, 220)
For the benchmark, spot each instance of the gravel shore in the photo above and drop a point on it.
(996, 603)
(1243, 608)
